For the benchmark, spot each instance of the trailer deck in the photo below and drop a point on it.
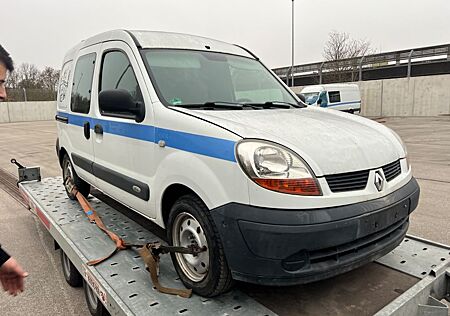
(123, 285)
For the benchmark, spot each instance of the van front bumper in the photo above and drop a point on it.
(286, 247)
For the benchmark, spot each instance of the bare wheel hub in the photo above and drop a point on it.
(67, 172)
(187, 231)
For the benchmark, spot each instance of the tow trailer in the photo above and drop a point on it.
(121, 285)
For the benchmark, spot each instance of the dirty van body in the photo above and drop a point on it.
(200, 137)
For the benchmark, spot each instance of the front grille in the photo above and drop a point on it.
(392, 170)
(350, 181)
(360, 245)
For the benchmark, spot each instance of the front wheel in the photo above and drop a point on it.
(207, 274)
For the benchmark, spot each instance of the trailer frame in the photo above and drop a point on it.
(123, 286)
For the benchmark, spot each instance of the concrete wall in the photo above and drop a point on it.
(11, 112)
(417, 96)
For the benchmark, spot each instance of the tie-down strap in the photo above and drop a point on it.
(149, 252)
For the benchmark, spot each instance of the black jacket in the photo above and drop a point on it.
(3, 256)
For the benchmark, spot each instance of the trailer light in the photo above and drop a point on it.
(276, 168)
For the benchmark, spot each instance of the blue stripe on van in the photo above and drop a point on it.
(198, 144)
(343, 103)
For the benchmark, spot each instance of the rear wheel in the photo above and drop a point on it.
(71, 274)
(96, 308)
(207, 274)
(68, 171)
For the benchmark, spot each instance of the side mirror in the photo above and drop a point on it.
(120, 103)
(319, 101)
(301, 96)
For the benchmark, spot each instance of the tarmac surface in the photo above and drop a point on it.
(361, 292)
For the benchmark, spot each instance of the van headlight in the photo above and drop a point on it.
(276, 168)
(405, 150)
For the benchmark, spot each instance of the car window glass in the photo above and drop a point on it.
(82, 84)
(117, 73)
(196, 77)
(334, 96)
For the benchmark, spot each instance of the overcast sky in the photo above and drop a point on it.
(40, 32)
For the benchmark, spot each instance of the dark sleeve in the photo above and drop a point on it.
(3, 256)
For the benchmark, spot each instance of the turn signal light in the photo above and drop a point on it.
(308, 186)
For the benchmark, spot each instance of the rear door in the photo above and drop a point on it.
(79, 125)
(124, 148)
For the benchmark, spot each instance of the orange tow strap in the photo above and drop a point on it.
(145, 250)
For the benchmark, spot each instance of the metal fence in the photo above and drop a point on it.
(24, 95)
(355, 66)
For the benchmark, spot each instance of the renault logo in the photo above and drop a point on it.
(378, 180)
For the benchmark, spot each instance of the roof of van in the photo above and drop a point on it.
(331, 86)
(156, 39)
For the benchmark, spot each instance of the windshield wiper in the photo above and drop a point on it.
(273, 104)
(213, 105)
(239, 106)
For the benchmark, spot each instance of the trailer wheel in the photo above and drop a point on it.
(190, 222)
(71, 274)
(68, 171)
(96, 308)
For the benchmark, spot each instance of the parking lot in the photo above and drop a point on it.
(33, 143)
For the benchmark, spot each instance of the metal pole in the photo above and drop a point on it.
(24, 94)
(320, 72)
(409, 62)
(292, 64)
(360, 67)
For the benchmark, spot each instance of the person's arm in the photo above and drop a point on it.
(11, 274)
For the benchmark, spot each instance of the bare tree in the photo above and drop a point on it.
(13, 80)
(29, 75)
(341, 51)
(49, 78)
(27, 82)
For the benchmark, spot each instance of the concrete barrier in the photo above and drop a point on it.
(11, 112)
(371, 96)
(417, 96)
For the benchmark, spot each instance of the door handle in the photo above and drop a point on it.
(98, 129)
(87, 130)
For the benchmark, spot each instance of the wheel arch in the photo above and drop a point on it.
(61, 153)
(171, 194)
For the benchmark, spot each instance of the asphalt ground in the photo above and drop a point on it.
(360, 292)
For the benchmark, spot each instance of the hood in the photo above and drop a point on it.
(329, 141)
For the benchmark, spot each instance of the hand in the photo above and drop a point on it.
(11, 276)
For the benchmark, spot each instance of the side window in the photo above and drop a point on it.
(117, 73)
(334, 96)
(63, 86)
(82, 84)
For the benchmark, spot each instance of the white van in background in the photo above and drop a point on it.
(343, 97)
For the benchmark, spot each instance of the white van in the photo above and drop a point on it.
(343, 97)
(204, 140)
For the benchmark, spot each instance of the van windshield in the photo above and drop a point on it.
(311, 97)
(186, 77)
